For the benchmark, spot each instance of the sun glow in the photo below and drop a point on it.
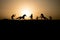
(26, 11)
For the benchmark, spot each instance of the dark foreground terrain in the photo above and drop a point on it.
(29, 26)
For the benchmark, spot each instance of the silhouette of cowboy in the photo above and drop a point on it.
(12, 17)
(31, 16)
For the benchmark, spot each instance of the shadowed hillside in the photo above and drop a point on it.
(29, 26)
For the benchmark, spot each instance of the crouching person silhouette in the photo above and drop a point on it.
(12, 17)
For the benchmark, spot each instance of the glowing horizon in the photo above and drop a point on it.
(28, 7)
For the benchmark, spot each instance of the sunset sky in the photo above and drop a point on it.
(28, 7)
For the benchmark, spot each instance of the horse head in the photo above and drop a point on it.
(24, 15)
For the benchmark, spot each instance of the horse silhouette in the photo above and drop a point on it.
(43, 17)
(22, 17)
(12, 17)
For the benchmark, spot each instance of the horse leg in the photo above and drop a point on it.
(44, 18)
(23, 17)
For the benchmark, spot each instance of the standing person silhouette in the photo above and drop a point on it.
(31, 16)
(12, 17)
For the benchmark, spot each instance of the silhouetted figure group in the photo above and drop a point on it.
(31, 17)
(21, 17)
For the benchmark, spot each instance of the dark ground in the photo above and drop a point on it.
(29, 26)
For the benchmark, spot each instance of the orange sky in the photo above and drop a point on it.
(47, 7)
